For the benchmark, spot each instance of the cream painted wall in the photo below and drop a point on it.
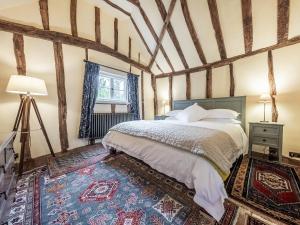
(251, 77)
(40, 63)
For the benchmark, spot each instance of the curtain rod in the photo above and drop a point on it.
(109, 67)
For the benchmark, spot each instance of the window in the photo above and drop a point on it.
(112, 88)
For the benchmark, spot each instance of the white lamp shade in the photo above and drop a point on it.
(265, 98)
(19, 84)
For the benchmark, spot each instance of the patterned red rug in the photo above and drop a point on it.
(118, 190)
(72, 161)
(272, 189)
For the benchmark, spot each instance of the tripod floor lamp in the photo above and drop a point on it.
(27, 87)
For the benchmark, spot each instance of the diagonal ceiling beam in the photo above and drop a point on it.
(150, 27)
(133, 22)
(163, 31)
(66, 39)
(171, 32)
(190, 25)
(247, 24)
(214, 15)
(283, 7)
(223, 62)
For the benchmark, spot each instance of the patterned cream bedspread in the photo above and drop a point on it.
(216, 146)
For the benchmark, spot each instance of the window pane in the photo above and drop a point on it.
(119, 84)
(104, 93)
(104, 82)
(119, 95)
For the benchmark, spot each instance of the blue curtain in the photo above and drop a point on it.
(89, 95)
(133, 95)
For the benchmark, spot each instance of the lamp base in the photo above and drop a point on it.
(264, 121)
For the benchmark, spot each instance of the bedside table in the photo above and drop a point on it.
(267, 134)
(162, 117)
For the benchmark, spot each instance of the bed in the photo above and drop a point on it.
(194, 170)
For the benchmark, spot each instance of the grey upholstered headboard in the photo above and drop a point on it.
(237, 104)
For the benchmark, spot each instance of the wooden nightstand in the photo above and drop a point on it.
(267, 134)
(160, 117)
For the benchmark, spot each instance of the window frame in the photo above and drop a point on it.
(113, 76)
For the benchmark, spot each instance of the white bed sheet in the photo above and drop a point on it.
(192, 170)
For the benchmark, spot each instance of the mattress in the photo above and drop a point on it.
(192, 170)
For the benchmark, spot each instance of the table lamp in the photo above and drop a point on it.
(27, 87)
(265, 99)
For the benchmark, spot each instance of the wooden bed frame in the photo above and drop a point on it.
(237, 104)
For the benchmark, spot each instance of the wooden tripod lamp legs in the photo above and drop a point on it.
(24, 115)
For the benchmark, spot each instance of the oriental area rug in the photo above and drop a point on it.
(72, 161)
(118, 190)
(271, 189)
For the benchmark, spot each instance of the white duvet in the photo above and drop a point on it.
(192, 170)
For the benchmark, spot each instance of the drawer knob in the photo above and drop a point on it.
(265, 129)
(264, 140)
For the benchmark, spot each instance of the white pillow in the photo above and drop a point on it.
(192, 113)
(234, 121)
(221, 114)
(173, 113)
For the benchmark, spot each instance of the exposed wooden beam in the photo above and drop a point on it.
(208, 83)
(192, 31)
(61, 94)
(153, 84)
(214, 15)
(232, 82)
(129, 49)
(133, 22)
(116, 35)
(170, 91)
(66, 39)
(272, 85)
(129, 52)
(73, 17)
(97, 25)
(163, 31)
(86, 54)
(220, 63)
(188, 86)
(44, 13)
(283, 12)
(18, 41)
(247, 24)
(151, 28)
(142, 88)
(171, 32)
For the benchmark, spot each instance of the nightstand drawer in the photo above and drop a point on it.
(272, 142)
(265, 130)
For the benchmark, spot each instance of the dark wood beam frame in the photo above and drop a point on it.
(247, 25)
(73, 17)
(188, 86)
(61, 94)
(44, 13)
(220, 63)
(208, 83)
(167, 19)
(272, 85)
(97, 25)
(18, 41)
(151, 28)
(66, 39)
(171, 32)
(170, 91)
(214, 15)
(232, 82)
(116, 35)
(283, 12)
(190, 25)
(153, 84)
